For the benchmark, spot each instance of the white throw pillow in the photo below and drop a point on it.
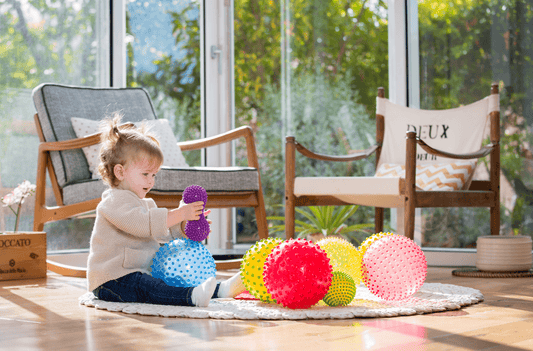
(460, 130)
(159, 127)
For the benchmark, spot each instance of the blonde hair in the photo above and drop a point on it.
(122, 144)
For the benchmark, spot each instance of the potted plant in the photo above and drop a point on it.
(22, 254)
(323, 221)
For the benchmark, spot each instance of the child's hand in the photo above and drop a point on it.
(206, 212)
(192, 211)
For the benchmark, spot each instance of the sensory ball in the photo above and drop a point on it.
(370, 240)
(252, 268)
(297, 273)
(342, 290)
(343, 256)
(196, 230)
(394, 268)
(183, 263)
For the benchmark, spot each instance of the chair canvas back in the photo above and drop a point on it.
(459, 130)
(56, 104)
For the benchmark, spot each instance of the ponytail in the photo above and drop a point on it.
(122, 143)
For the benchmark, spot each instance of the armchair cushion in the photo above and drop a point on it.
(440, 176)
(160, 128)
(56, 104)
(366, 191)
(171, 181)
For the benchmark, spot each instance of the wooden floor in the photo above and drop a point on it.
(44, 314)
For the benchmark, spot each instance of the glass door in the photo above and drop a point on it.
(64, 42)
(464, 47)
(309, 69)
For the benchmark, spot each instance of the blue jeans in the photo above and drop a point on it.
(141, 287)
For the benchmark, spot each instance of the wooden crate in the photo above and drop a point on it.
(22, 255)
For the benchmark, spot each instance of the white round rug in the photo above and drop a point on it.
(432, 297)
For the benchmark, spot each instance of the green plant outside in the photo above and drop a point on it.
(327, 220)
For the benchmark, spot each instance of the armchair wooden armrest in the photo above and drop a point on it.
(484, 151)
(44, 162)
(345, 158)
(244, 131)
(77, 143)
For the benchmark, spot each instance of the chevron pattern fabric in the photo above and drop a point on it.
(437, 176)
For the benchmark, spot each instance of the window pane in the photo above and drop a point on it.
(55, 42)
(321, 88)
(464, 46)
(163, 56)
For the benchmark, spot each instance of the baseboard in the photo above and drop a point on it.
(446, 257)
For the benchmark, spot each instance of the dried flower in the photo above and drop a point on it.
(17, 197)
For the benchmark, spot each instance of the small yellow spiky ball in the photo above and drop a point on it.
(343, 257)
(341, 291)
(252, 266)
(370, 240)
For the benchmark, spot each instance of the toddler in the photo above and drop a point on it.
(129, 227)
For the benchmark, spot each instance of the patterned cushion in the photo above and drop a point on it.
(160, 128)
(438, 176)
(56, 104)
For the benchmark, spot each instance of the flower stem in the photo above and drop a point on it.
(17, 217)
(12, 210)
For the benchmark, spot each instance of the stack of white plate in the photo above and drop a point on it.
(503, 253)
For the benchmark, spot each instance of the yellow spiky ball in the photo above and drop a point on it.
(252, 266)
(343, 257)
(370, 240)
(341, 291)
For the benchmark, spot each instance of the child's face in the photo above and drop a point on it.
(137, 176)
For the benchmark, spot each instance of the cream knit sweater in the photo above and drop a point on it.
(126, 236)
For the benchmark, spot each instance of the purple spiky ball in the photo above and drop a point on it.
(196, 230)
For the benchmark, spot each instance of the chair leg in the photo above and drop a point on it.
(495, 220)
(37, 226)
(410, 192)
(378, 223)
(260, 216)
(40, 191)
(289, 217)
(409, 220)
(290, 173)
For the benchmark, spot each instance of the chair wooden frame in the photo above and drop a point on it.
(44, 214)
(481, 193)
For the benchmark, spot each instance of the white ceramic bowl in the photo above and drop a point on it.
(502, 253)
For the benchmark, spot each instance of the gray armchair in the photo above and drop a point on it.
(76, 192)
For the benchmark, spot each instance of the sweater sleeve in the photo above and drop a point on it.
(130, 216)
(177, 232)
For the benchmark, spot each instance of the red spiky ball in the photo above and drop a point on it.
(297, 273)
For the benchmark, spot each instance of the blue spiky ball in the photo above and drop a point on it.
(183, 263)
